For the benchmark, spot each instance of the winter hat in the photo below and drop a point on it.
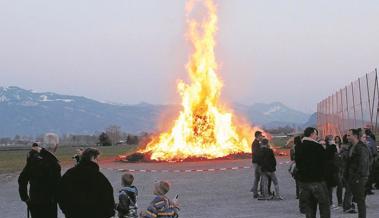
(161, 188)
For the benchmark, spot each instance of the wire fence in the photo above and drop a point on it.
(354, 106)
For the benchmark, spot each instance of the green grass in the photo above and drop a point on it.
(14, 161)
(281, 142)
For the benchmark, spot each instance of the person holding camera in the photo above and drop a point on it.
(42, 172)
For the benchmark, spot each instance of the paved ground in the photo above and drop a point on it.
(219, 193)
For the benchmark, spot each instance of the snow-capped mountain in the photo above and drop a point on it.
(26, 112)
(272, 115)
(18, 96)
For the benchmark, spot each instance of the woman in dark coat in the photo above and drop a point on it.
(331, 173)
(84, 192)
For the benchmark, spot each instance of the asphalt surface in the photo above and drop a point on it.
(223, 192)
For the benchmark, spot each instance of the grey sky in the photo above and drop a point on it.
(293, 51)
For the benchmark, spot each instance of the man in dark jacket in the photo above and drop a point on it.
(254, 150)
(42, 173)
(310, 162)
(358, 169)
(84, 192)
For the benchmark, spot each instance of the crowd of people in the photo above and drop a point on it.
(83, 191)
(322, 167)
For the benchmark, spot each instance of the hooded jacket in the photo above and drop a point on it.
(127, 206)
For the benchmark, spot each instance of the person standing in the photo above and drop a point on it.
(42, 172)
(358, 169)
(84, 192)
(340, 169)
(310, 162)
(293, 171)
(371, 144)
(127, 196)
(257, 172)
(331, 167)
(267, 163)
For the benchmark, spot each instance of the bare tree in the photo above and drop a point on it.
(114, 133)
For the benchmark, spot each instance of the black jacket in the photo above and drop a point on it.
(358, 162)
(84, 192)
(266, 160)
(42, 172)
(310, 161)
(331, 168)
(254, 150)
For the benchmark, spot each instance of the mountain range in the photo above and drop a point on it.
(29, 113)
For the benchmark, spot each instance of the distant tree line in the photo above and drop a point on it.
(112, 135)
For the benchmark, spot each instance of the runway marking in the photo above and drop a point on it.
(188, 170)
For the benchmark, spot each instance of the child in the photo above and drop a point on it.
(267, 162)
(161, 206)
(127, 206)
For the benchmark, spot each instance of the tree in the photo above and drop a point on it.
(114, 133)
(132, 140)
(104, 139)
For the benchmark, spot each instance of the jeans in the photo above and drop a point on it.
(348, 198)
(257, 177)
(339, 190)
(302, 206)
(359, 193)
(313, 194)
(330, 195)
(266, 177)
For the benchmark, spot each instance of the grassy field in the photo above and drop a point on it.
(14, 161)
(281, 142)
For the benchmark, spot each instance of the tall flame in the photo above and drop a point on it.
(203, 129)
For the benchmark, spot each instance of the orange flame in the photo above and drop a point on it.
(203, 129)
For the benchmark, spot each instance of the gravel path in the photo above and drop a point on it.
(220, 193)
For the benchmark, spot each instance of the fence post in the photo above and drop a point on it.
(360, 99)
(342, 114)
(347, 109)
(369, 99)
(355, 116)
(377, 107)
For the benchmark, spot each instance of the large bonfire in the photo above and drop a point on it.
(204, 129)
